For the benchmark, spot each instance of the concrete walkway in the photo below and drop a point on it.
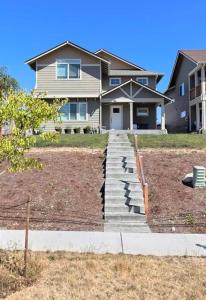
(158, 244)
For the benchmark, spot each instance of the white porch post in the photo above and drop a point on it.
(131, 115)
(100, 114)
(203, 99)
(162, 116)
(204, 116)
(190, 120)
(197, 116)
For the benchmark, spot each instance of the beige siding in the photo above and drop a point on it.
(116, 64)
(93, 118)
(87, 86)
(68, 52)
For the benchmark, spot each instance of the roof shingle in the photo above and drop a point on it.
(196, 55)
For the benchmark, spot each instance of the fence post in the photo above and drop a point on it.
(26, 237)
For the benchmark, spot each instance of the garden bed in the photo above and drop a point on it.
(65, 194)
(172, 205)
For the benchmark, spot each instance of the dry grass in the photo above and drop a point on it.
(12, 270)
(117, 277)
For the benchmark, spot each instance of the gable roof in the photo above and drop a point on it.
(141, 85)
(33, 59)
(195, 56)
(119, 58)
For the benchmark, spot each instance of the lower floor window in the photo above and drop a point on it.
(142, 111)
(74, 111)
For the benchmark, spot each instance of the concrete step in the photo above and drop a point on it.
(138, 194)
(115, 184)
(120, 170)
(116, 207)
(119, 144)
(123, 176)
(120, 148)
(123, 216)
(138, 227)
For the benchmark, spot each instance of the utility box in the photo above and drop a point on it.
(198, 176)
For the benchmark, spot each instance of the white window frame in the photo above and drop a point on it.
(68, 61)
(182, 89)
(147, 80)
(110, 81)
(78, 112)
(142, 115)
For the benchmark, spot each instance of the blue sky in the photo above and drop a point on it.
(148, 33)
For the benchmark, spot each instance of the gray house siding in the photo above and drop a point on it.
(87, 86)
(174, 122)
(93, 112)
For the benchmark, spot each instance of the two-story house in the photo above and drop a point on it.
(104, 90)
(187, 87)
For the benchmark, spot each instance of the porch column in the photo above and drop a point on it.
(190, 118)
(131, 115)
(203, 79)
(197, 116)
(162, 116)
(100, 114)
(204, 116)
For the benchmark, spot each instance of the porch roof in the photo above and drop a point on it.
(166, 98)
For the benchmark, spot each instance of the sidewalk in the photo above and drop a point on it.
(158, 244)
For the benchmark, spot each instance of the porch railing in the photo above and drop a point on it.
(141, 177)
(195, 92)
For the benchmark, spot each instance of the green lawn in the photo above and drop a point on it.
(77, 140)
(194, 141)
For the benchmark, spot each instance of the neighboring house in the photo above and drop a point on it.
(103, 90)
(187, 87)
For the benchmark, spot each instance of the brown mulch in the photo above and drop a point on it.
(65, 194)
(173, 206)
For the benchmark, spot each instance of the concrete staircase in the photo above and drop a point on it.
(124, 203)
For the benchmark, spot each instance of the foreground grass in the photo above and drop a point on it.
(90, 276)
(77, 140)
(193, 141)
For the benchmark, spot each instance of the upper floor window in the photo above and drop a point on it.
(182, 89)
(142, 80)
(68, 69)
(114, 81)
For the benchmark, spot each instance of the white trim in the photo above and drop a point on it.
(128, 100)
(62, 45)
(131, 115)
(36, 76)
(124, 92)
(48, 96)
(91, 65)
(68, 66)
(116, 78)
(137, 92)
(141, 85)
(147, 79)
(121, 111)
(119, 58)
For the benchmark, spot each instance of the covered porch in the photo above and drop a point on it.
(132, 116)
(132, 107)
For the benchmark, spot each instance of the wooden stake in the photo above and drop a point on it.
(146, 198)
(26, 237)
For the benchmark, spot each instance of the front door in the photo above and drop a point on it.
(116, 117)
